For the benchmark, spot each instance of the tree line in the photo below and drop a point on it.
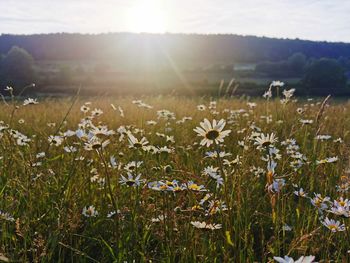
(317, 76)
(189, 47)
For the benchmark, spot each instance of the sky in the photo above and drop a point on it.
(305, 19)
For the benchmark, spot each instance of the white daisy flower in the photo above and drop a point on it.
(334, 226)
(90, 211)
(131, 180)
(30, 101)
(265, 140)
(212, 132)
(204, 225)
(303, 259)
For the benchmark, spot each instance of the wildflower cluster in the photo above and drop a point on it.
(181, 179)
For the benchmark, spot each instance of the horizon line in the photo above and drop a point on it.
(170, 33)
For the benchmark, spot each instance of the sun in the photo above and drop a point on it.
(146, 16)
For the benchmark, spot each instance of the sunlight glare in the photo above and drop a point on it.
(146, 16)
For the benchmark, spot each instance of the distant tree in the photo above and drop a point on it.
(324, 76)
(292, 67)
(17, 68)
(344, 62)
(273, 69)
(201, 49)
(297, 63)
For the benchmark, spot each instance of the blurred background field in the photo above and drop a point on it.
(193, 64)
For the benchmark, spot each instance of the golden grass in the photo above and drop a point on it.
(46, 199)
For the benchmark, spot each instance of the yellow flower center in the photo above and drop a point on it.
(212, 134)
(177, 189)
(332, 227)
(96, 145)
(266, 143)
(130, 182)
(137, 145)
(194, 187)
(163, 187)
(196, 207)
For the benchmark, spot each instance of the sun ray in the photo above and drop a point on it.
(147, 16)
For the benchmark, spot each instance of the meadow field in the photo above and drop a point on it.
(174, 179)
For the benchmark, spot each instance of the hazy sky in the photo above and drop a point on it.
(306, 19)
